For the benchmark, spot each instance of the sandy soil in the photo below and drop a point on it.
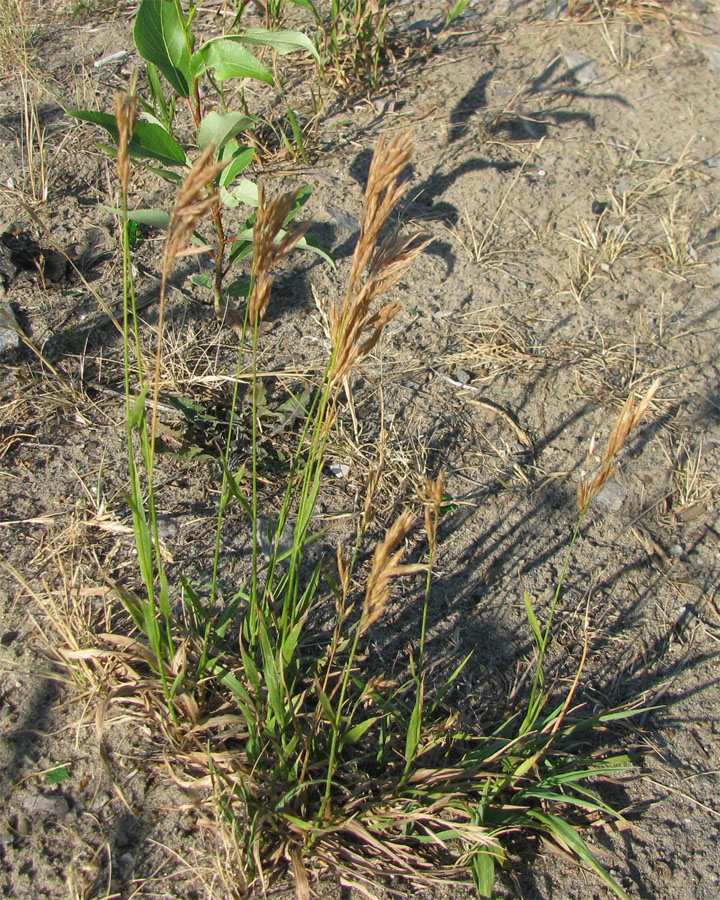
(568, 172)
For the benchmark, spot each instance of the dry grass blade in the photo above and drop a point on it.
(628, 420)
(386, 566)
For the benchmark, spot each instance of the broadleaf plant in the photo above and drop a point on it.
(165, 40)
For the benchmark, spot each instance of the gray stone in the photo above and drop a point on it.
(47, 804)
(712, 54)
(583, 68)
(9, 328)
(557, 9)
(612, 496)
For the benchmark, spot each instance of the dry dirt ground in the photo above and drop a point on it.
(568, 171)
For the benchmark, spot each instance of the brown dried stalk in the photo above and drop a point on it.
(626, 423)
(375, 267)
(267, 254)
(385, 567)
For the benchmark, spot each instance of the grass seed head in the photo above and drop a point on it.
(126, 119)
(192, 203)
(386, 566)
(626, 423)
(269, 252)
(376, 266)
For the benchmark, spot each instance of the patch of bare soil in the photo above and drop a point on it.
(567, 170)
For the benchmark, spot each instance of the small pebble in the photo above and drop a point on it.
(612, 496)
(52, 805)
(9, 328)
(583, 68)
(557, 9)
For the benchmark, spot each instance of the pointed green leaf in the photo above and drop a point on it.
(357, 731)
(229, 59)
(238, 158)
(282, 41)
(483, 871)
(149, 140)
(570, 837)
(160, 39)
(532, 619)
(218, 128)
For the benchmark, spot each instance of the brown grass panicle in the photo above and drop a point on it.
(269, 252)
(126, 118)
(386, 566)
(376, 266)
(626, 423)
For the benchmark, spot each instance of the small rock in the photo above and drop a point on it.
(557, 9)
(612, 496)
(676, 550)
(22, 825)
(712, 55)
(266, 532)
(47, 804)
(583, 68)
(339, 470)
(167, 526)
(462, 376)
(9, 328)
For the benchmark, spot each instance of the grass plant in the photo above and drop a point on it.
(306, 758)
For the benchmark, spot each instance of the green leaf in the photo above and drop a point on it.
(156, 91)
(307, 4)
(483, 872)
(219, 128)
(273, 678)
(357, 731)
(326, 705)
(239, 157)
(160, 39)
(412, 738)
(229, 59)
(138, 410)
(156, 218)
(282, 41)
(244, 192)
(149, 140)
(240, 287)
(305, 243)
(567, 835)
(457, 10)
(58, 774)
(532, 619)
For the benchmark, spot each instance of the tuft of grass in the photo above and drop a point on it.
(306, 755)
